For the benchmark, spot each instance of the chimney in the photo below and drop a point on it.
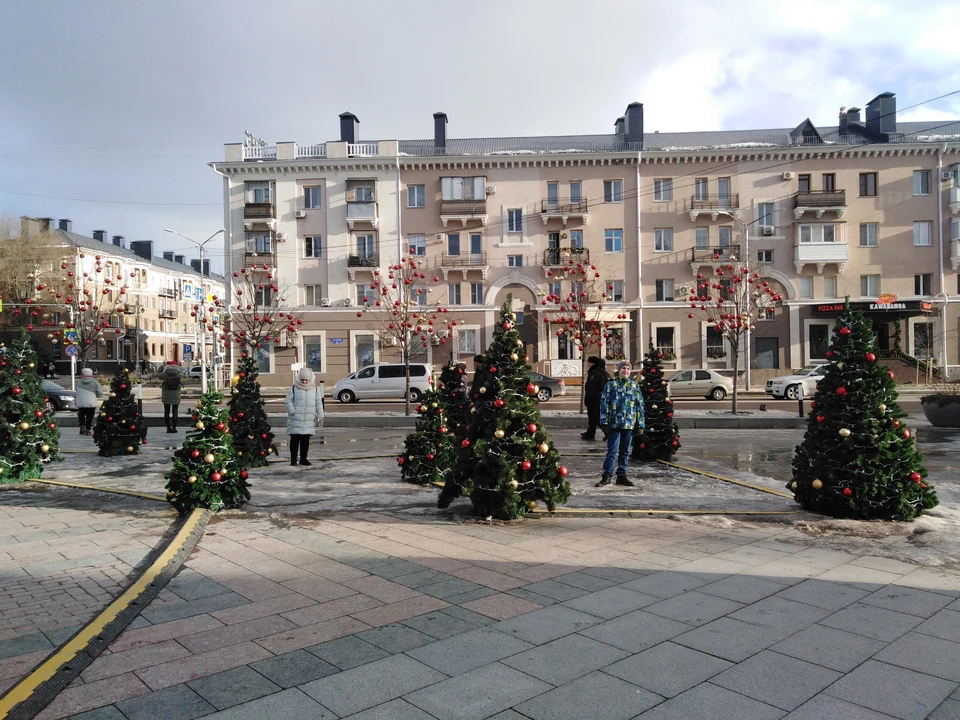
(206, 268)
(842, 126)
(66, 225)
(168, 256)
(349, 128)
(618, 125)
(633, 124)
(195, 264)
(44, 224)
(100, 235)
(143, 248)
(882, 113)
(118, 241)
(440, 130)
(853, 115)
(179, 259)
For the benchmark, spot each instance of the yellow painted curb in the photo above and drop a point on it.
(644, 511)
(118, 491)
(729, 480)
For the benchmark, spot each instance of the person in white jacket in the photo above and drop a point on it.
(304, 413)
(88, 397)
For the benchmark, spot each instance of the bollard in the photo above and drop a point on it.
(800, 400)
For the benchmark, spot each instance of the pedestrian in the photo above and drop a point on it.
(304, 413)
(171, 393)
(88, 395)
(597, 377)
(51, 370)
(621, 412)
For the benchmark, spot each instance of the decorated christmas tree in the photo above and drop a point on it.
(251, 432)
(207, 470)
(456, 404)
(506, 463)
(29, 437)
(858, 459)
(430, 449)
(119, 429)
(660, 439)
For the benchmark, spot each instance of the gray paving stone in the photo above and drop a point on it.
(780, 613)
(364, 687)
(777, 680)
(832, 648)
(947, 710)
(821, 593)
(565, 659)
(468, 616)
(712, 702)
(477, 695)
(546, 624)
(393, 710)
(585, 581)
(596, 695)
(509, 715)
(613, 574)
(294, 668)
(892, 690)
(178, 702)
(557, 590)
(58, 636)
(397, 568)
(439, 625)
(635, 631)
(23, 645)
(666, 583)
(395, 638)
(731, 639)
(466, 652)
(611, 603)
(449, 588)
(470, 596)
(138, 622)
(292, 703)
(179, 611)
(742, 588)
(668, 669)
(929, 655)
(694, 608)
(945, 624)
(191, 585)
(873, 622)
(347, 652)
(533, 597)
(907, 600)
(824, 707)
(105, 713)
(232, 687)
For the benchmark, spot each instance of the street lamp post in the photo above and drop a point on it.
(203, 317)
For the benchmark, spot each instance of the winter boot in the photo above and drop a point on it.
(622, 480)
(604, 480)
(588, 436)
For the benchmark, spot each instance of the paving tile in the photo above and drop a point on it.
(635, 631)
(58, 636)
(232, 634)
(395, 638)
(80, 698)
(463, 598)
(546, 624)
(24, 644)
(191, 585)
(780, 613)
(157, 614)
(945, 624)
(907, 600)
(399, 611)
(893, 690)
(318, 612)
(138, 637)
(929, 655)
(439, 625)
(347, 652)
(536, 598)
(451, 588)
(119, 663)
(303, 637)
(778, 680)
(105, 713)
(294, 668)
(466, 652)
(611, 602)
(820, 593)
(477, 695)
(731, 639)
(742, 588)
(555, 589)
(369, 685)
(466, 615)
(396, 568)
(830, 647)
(712, 702)
(586, 581)
(666, 583)
(933, 580)
(563, 660)
(947, 710)
(197, 666)
(872, 622)
(233, 687)
(694, 608)
(613, 574)
(668, 669)
(596, 695)
(865, 578)
(292, 703)
(262, 608)
(384, 590)
(395, 710)
(824, 707)
(178, 702)
(501, 606)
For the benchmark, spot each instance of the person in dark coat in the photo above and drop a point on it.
(597, 377)
(171, 393)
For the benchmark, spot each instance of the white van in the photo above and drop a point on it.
(385, 381)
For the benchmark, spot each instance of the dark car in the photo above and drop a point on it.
(60, 398)
(548, 386)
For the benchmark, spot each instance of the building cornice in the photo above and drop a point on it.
(820, 152)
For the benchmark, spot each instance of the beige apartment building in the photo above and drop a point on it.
(868, 209)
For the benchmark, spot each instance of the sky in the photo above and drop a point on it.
(111, 110)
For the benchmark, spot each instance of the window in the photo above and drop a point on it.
(417, 244)
(612, 191)
(921, 182)
(467, 341)
(806, 287)
(109, 349)
(259, 244)
(365, 245)
(818, 233)
(418, 294)
(312, 247)
(868, 234)
(767, 314)
(715, 349)
(724, 236)
(361, 193)
(868, 184)
(576, 192)
(613, 240)
(765, 214)
(576, 239)
(869, 285)
(576, 289)
(663, 239)
(258, 192)
(666, 343)
(518, 318)
(553, 195)
(830, 286)
(312, 294)
(818, 337)
(313, 353)
(700, 189)
(923, 340)
(365, 295)
(828, 182)
(923, 284)
(564, 347)
(663, 190)
(615, 290)
(765, 256)
(553, 289)
(476, 243)
(955, 229)
(515, 220)
(262, 356)
(922, 234)
(416, 196)
(703, 238)
(514, 260)
(803, 183)
(664, 290)
(453, 243)
(311, 197)
(453, 294)
(463, 188)
(263, 297)
(614, 344)
(476, 293)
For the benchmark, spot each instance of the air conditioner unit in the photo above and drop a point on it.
(443, 333)
(347, 302)
(767, 230)
(788, 175)
(682, 291)
(325, 302)
(301, 213)
(281, 236)
(946, 175)
(438, 236)
(491, 189)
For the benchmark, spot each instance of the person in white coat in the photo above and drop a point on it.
(88, 397)
(304, 413)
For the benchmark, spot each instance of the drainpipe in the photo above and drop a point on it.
(399, 228)
(643, 348)
(943, 290)
(228, 270)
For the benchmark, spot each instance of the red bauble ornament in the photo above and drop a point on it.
(263, 436)
(244, 474)
(465, 443)
(215, 476)
(498, 403)
(915, 476)
(53, 426)
(674, 444)
(870, 357)
(441, 429)
(844, 331)
(399, 461)
(429, 456)
(531, 388)
(195, 454)
(841, 391)
(220, 426)
(506, 326)
(532, 428)
(906, 434)
(526, 465)
(123, 386)
(890, 374)
(38, 413)
(821, 418)
(493, 369)
(16, 390)
(848, 492)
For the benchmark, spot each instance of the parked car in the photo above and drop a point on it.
(383, 381)
(699, 383)
(59, 397)
(789, 386)
(548, 386)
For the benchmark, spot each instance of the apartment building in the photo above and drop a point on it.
(867, 209)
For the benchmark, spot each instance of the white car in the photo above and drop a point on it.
(789, 386)
(699, 383)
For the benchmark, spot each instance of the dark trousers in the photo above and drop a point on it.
(301, 444)
(593, 419)
(85, 416)
(171, 422)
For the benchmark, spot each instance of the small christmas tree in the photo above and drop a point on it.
(207, 472)
(251, 432)
(430, 452)
(29, 437)
(456, 404)
(119, 429)
(857, 458)
(660, 439)
(507, 463)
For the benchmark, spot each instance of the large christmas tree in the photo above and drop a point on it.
(456, 404)
(429, 450)
(207, 472)
(507, 463)
(251, 432)
(119, 429)
(857, 458)
(29, 437)
(660, 439)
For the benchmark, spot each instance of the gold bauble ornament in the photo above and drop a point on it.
(514, 484)
(844, 432)
(793, 485)
(498, 433)
(514, 357)
(544, 448)
(199, 425)
(883, 407)
(519, 343)
(1, 471)
(433, 404)
(482, 390)
(239, 453)
(654, 407)
(30, 365)
(45, 448)
(532, 505)
(129, 448)
(536, 389)
(24, 426)
(817, 484)
(113, 394)
(269, 450)
(192, 479)
(209, 458)
(511, 316)
(249, 437)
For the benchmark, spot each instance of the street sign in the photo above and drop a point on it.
(336, 341)
(71, 350)
(71, 336)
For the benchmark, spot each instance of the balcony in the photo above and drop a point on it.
(312, 151)
(819, 202)
(713, 256)
(565, 256)
(955, 201)
(820, 254)
(955, 253)
(463, 263)
(367, 149)
(363, 214)
(167, 292)
(363, 261)
(463, 211)
(564, 209)
(262, 211)
(260, 152)
(168, 314)
(714, 206)
(259, 260)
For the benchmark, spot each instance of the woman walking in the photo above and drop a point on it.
(88, 397)
(304, 413)
(171, 393)
(621, 411)
(597, 377)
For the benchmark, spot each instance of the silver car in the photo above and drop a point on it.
(699, 383)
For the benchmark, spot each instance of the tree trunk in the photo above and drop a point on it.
(583, 382)
(735, 352)
(406, 372)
